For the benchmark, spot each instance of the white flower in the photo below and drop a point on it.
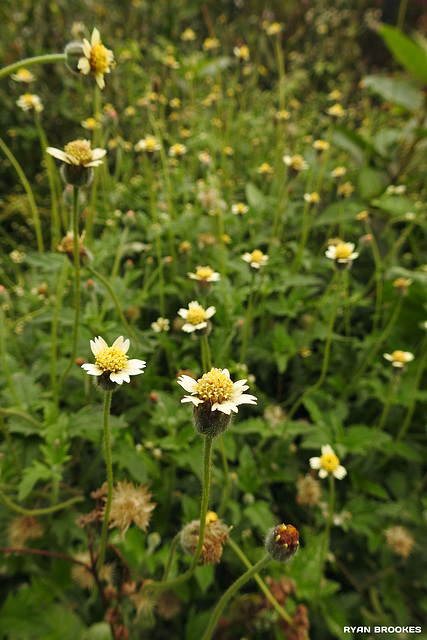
(256, 259)
(96, 58)
(113, 361)
(30, 101)
(343, 252)
(150, 144)
(196, 317)
(239, 208)
(162, 324)
(216, 389)
(205, 274)
(328, 463)
(296, 162)
(23, 75)
(398, 358)
(78, 153)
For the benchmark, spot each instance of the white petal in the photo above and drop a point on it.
(136, 364)
(240, 385)
(84, 65)
(323, 473)
(246, 257)
(226, 372)
(99, 77)
(183, 313)
(193, 399)
(326, 448)
(409, 356)
(315, 463)
(122, 344)
(187, 383)
(201, 325)
(194, 305)
(98, 153)
(224, 407)
(340, 472)
(388, 357)
(96, 37)
(57, 153)
(86, 48)
(189, 328)
(118, 377)
(97, 345)
(92, 369)
(245, 398)
(209, 312)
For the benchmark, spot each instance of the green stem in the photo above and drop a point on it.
(76, 260)
(52, 57)
(378, 278)
(11, 447)
(325, 545)
(51, 169)
(39, 512)
(172, 550)
(115, 269)
(266, 591)
(5, 363)
(207, 468)
(110, 290)
(248, 321)
(402, 12)
(54, 333)
(227, 487)
(407, 421)
(109, 465)
(20, 414)
(250, 573)
(35, 213)
(207, 352)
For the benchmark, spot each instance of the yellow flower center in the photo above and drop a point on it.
(28, 99)
(90, 123)
(342, 251)
(150, 144)
(99, 58)
(24, 75)
(111, 359)
(204, 272)
(196, 315)
(80, 150)
(214, 386)
(257, 256)
(211, 516)
(329, 462)
(297, 162)
(399, 356)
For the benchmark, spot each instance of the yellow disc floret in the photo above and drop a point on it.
(111, 359)
(257, 256)
(214, 386)
(99, 58)
(399, 356)
(196, 315)
(80, 150)
(342, 251)
(204, 272)
(329, 462)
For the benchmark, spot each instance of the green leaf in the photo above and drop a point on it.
(255, 197)
(359, 439)
(406, 51)
(259, 515)
(394, 90)
(370, 182)
(31, 475)
(204, 576)
(98, 631)
(396, 205)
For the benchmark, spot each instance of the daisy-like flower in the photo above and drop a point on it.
(295, 162)
(90, 124)
(328, 463)
(339, 172)
(210, 44)
(204, 275)
(162, 324)
(216, 391)
(130, 504)
(342, 253)
(112, 365)
(242, 52)
(321, 145)
(283, 114)
(97, 59)
(335, 95)
(239, 208)
(196, 317)
(265, 169)
(399, 358)
(23, 75)
(150, 144)
(256, 259)
(337, 111)
(29, 101)
(312, 198)
(188, 35)
(79, 154)
(177, 150)
(274, 29)
(345, 190)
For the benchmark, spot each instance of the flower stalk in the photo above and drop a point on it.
(109, 466)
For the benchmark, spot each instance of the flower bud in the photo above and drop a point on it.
(216, 534)
(210, 423)
(282, 542)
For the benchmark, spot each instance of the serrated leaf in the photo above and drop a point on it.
(31, 475)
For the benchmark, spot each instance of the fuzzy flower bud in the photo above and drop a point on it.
(282, 542)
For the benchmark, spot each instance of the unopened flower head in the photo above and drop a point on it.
(399, 359)
(67, 247)
(210, 44)
(23, 75)
(256, 259)
(216, 534)
(239, 209)
(82, 572)
(342, 254)
(274, 29)
(214, 396)
(30, 102)
(205, 275)
(130, 504)
(78, 158)
(295, 162)
(282, 542)
(149, 144)
(309, 491)
(188, 35)
(196, 317)
(400, 540)
(402, 285)
(20, 529)
(345, 190)
(161, 324)
(265, 169)
(112, 366)
(96, 59)
(328, 463)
